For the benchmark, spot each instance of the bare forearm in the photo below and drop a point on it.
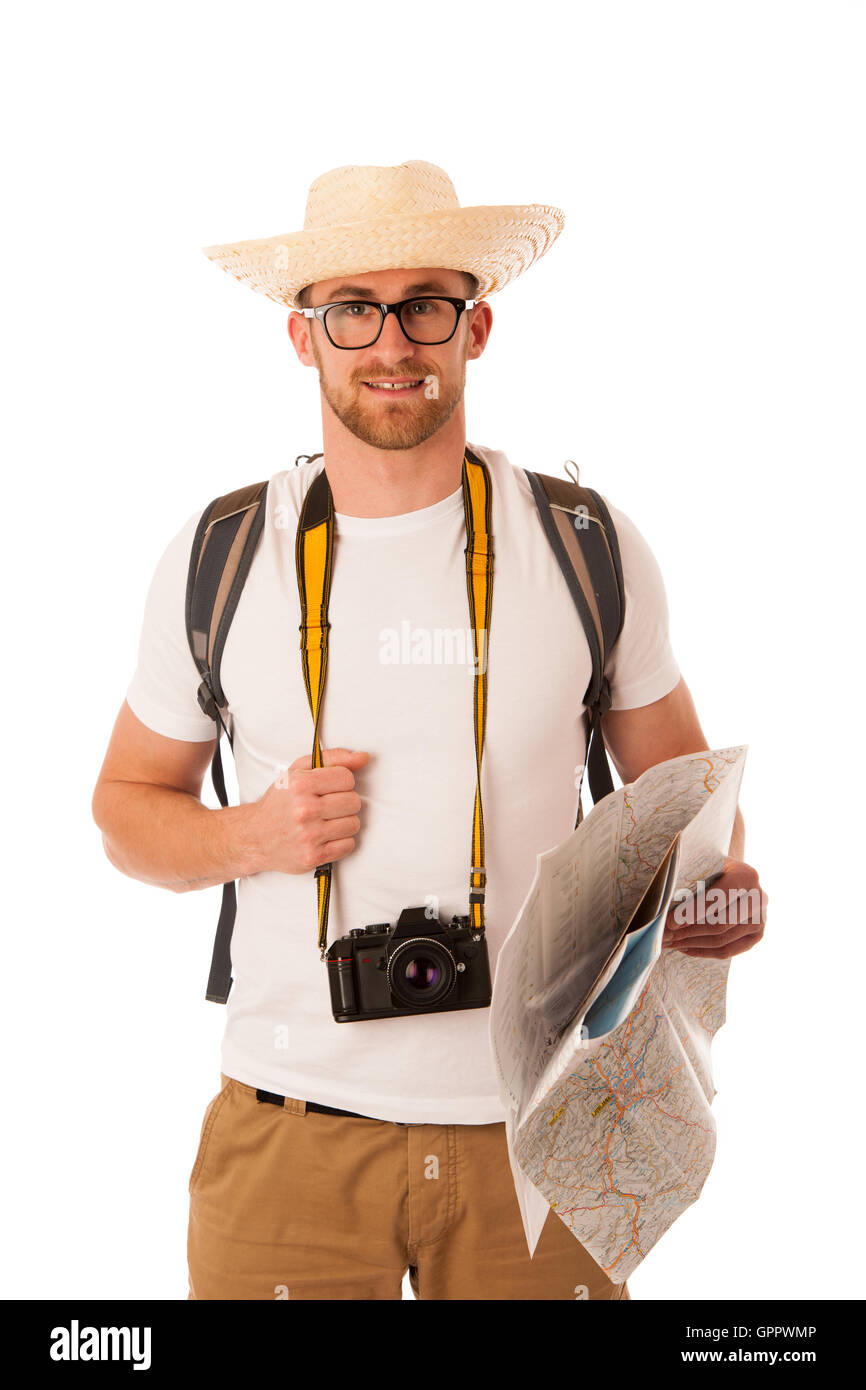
(168, 838)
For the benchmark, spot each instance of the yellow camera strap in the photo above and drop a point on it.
(477, 500)
(314, 557)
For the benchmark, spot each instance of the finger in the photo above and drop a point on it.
(336, 849)
(337, 777)
(747, 906)
(714, 930)
(339, 829)
(747, 920)
(332, 757)
(701, 935)
(334, 804)
(735, 948)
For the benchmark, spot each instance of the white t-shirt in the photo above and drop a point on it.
(392, 577)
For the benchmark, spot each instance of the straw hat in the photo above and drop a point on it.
(364, 217)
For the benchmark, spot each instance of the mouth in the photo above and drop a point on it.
(394, 386)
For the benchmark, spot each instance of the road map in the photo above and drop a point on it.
(601, 1039)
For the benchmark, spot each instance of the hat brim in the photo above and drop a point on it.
(495, 244)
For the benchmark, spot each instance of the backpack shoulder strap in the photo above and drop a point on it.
(222, 552)
(220, 558)
(581, 532)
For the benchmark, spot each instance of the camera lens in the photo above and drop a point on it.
(421, 972)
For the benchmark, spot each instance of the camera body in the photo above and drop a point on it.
(419, 966)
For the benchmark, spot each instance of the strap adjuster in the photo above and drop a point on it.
(207, 701)
(476, 895)
(604, 696)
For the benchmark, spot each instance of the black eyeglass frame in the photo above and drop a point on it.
(320, 310)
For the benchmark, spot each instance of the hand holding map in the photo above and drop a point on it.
(600, 1040)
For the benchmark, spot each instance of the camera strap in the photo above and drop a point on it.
(314, 558)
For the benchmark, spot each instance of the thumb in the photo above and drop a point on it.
(333, 757)
(347, 757)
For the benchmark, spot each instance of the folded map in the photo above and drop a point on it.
(600, 1039)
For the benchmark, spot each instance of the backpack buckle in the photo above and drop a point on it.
(207, 701)
(604, 697)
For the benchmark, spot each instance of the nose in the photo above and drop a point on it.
(392, 335)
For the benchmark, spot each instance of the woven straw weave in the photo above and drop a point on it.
(361, 218)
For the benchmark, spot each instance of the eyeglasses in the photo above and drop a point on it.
(357, 323)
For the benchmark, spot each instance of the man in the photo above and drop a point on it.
(338, 1155)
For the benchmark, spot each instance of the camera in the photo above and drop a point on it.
(420, 966)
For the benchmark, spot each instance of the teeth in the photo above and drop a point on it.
(391, 386)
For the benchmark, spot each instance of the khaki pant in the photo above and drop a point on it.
(291, 1203)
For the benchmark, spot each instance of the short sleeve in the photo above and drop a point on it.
(163, 692)
(642, 667)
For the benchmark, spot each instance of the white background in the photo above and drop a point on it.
(694, 340)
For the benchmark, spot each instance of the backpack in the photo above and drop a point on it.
(580, 530)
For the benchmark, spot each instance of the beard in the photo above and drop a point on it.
(398, 425)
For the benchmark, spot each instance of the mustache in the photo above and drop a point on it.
(415, 370)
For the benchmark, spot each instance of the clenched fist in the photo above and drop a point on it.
(309, 815)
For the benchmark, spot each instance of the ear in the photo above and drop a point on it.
(299, 337)
(480, 323)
